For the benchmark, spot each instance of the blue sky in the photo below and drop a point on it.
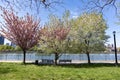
(112, 22)
(75, 8)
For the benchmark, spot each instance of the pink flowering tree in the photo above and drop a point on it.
(55, 40)
(23, 31)
(55, 37)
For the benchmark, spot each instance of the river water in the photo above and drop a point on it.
(74, 57)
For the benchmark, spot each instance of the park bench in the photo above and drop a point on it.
(44, 61)
(65, 61)
(47, 61)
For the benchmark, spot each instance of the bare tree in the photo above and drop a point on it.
(100, 5)
(23, 31)
(32, 4)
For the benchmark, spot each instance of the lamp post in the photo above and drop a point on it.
(115, 49)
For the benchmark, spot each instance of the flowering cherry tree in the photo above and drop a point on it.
(54, 39)
(23, 31)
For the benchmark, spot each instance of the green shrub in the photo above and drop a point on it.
(17, 48)
(6, 48)
(35, 48)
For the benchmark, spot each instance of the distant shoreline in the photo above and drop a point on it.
(2, 52)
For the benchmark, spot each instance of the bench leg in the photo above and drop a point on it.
(36, 62)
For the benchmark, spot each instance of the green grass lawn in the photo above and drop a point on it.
(18, 71)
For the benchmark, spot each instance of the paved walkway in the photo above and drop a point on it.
(73, 61)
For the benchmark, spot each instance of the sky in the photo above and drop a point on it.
(76, 8)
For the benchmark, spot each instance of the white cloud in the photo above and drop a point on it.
(74, 14)
(74, 17)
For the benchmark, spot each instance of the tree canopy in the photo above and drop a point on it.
(22, 31)
(88, 31)
(90, 26)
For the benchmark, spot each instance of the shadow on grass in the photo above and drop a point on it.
(6, 70)
(85, 65)
(82, 65)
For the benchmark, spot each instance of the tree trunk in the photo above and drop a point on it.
(88, 56)
(56, 58)
(24, 56)
(87, 50)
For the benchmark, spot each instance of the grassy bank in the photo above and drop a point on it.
(17, 71)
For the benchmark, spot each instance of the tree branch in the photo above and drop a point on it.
(100, 5)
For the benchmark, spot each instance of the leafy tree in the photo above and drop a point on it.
(17, 48)
(23, 31)
(89, 31)
(6, 48)
(54, 37)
